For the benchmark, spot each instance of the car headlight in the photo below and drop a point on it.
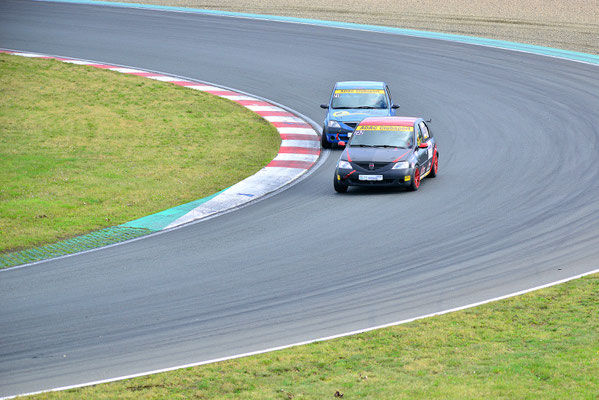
(343, 165)
(334, 124)
(401, 165)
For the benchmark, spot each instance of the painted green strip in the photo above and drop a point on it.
(528, 48)
(162, 219)
(103, 237)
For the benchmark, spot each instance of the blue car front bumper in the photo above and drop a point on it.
(334, 135)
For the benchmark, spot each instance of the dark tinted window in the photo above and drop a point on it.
(359, 98)
(375, 135)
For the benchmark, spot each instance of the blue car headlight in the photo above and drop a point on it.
(401, 165)
(343, 165)
(333, 124)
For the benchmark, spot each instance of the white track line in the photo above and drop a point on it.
(322, 339)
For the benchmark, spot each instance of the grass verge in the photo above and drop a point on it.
(83, 149)
(541, 345)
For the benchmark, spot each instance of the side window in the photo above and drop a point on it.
(425, 132)
(419, 138)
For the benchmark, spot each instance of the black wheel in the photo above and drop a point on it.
(324, 142)
(434, 165)
(415, 180)
(339, 187)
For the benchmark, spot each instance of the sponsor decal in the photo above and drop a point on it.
(346, 113)
(344, 91)
(390, 128)
(407, 178)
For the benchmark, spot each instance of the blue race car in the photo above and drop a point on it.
(350, 103)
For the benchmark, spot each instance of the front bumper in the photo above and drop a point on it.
(335, 135)
(390, 177)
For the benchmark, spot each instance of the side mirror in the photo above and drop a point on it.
(395, 106)
(341, 143)
(325, 106)
(423, 145)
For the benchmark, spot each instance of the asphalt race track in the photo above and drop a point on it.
(515, 204)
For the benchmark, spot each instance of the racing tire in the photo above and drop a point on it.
(324, 142)
(415, 184)
(434, 165)
(339, 187)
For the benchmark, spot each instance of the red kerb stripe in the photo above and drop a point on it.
(225, 93)
(290, 164)
(252, 103)
(291, 125)
(274, 113)
(298, 150)
(184, 83)
(293, 136)
(104, 66)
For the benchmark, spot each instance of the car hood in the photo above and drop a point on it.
(372, 154)
(355, 115)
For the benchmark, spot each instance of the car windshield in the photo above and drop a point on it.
(359, 98)
(382, 136)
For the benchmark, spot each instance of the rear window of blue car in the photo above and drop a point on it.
(359, 98)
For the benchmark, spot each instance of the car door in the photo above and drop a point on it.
(392, 111)
(428, 138)
(422, 154)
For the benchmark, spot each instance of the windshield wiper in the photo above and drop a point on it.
(361, 145)
(342, 108)
(388, 146)
(367, 107)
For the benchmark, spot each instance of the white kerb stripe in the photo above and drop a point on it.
(126, 70)
(164, 78)
(77, 62)
(296, 157)
(265, 108)
(206, 88)
(278, 118)
(28, 55)
(239, 97)
(297, 131)
(310, 144)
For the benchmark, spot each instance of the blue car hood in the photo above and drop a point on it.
(356, 115)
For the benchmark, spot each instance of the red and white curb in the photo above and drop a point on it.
(299, 151)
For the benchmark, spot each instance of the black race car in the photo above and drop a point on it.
(388, 151)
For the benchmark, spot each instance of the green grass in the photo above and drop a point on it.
(82, 148)
(542, 345)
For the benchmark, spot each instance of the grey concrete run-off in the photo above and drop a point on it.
(514, 205)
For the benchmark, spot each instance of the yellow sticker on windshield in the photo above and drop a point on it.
(378, 91)
(385, 128)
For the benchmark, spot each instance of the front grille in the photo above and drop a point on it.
(377, 165)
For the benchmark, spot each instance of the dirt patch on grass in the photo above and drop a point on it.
(572, 25)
